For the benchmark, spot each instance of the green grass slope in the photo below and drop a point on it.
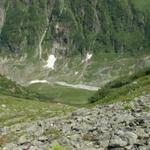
(124, 89)
(19, 104)
(18, 110)
(11, 88)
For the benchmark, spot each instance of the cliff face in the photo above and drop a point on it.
(70, 27)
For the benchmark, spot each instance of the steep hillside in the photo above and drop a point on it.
(8, 87)
(68, 27)
(123, 89)
(90, 42)
(20, 104)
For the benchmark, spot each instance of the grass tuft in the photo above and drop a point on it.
(57, 146)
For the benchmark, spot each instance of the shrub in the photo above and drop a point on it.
(57, 146)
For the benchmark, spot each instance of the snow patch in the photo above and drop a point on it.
(78, 86)
(76, 73)
(88, 56)
(38, 81)
(50, 62)
(3, 106)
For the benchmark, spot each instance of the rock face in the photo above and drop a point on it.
(110, 127)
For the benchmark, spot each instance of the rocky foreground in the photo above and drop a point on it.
(112, 127)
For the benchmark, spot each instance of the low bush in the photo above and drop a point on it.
(57, 146)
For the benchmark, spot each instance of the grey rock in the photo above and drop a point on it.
(11, 146)
(107, 127)
(116, 141)
(23, 140)
(141, 133)
(43, 139)
(132, 137)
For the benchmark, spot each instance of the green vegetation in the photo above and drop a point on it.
(120, 26)
(29, 110)
(57, 146)
(146, 108)
(124, 89)
(52, 133)
(62, 94)
(23, 25)
(11, 88)
(30, 105)
(44, 92)
(19, 105)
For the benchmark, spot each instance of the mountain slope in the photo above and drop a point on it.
(114, 33)
(69, 27)
(124, 89)
(20, 104)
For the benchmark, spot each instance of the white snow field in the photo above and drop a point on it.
(78, 86)
(50, 62)
(38, 81)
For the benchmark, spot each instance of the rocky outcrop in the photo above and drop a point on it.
(110, 127)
